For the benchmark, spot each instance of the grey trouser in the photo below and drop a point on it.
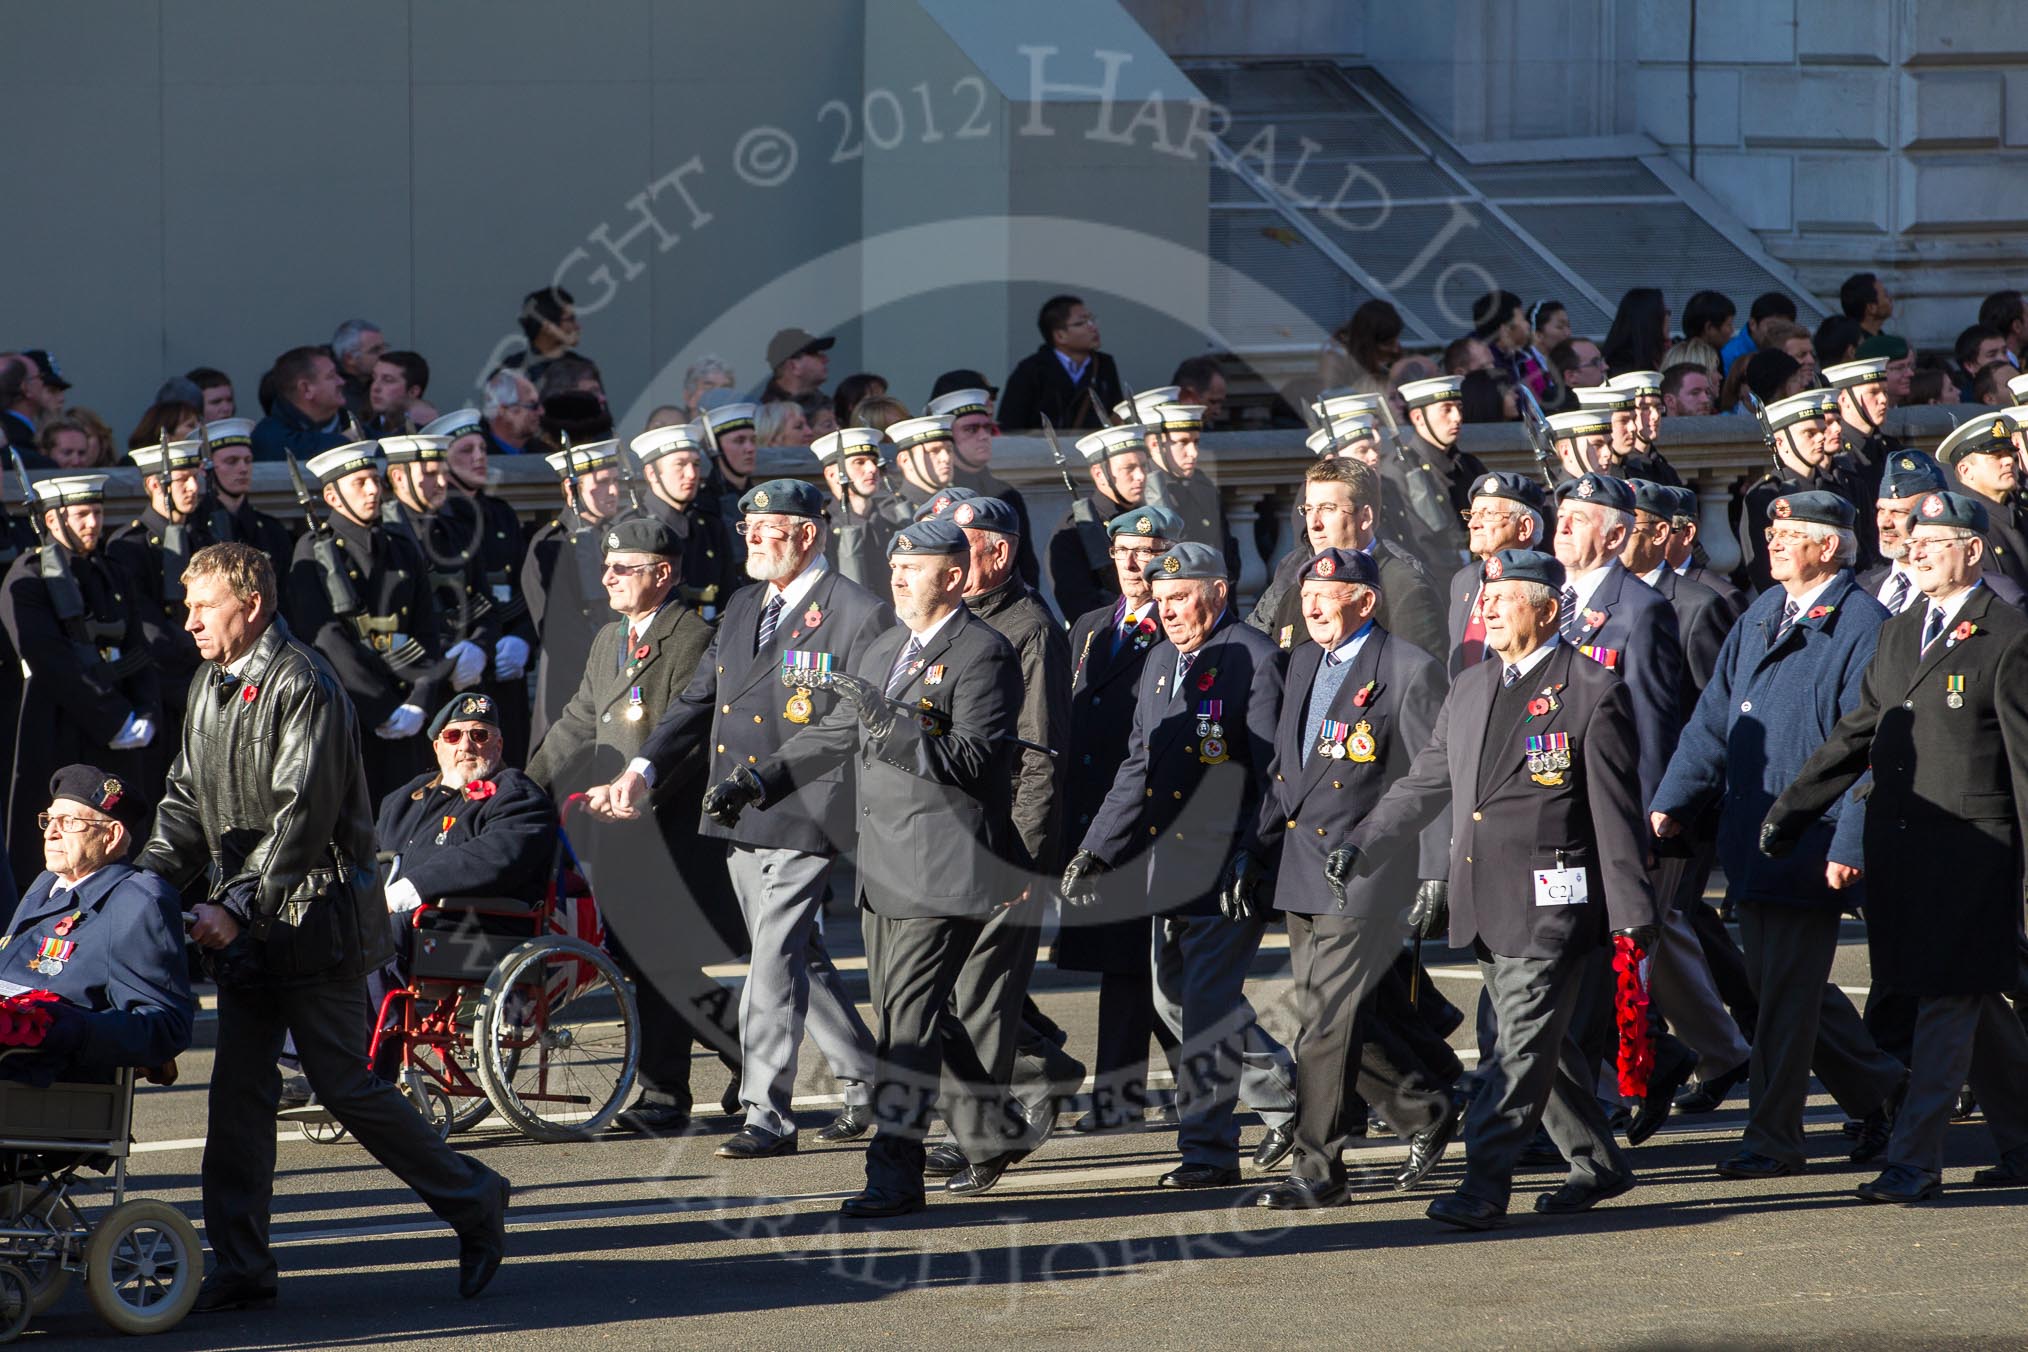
(791, 983)
(1961, 1039)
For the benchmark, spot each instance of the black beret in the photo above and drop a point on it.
(984, 513)
(641, 535)
(1816, 506)
(1653, 498)
(1342, 565)
(1949, 509)
(935, 536)
(1186, 562)
(1682, 502)
(1524, 565)
(944, 499)
(471, 707)
(783, 497)
(1909, 474)
(95, 788)
(1602, 489)
(1514, 487)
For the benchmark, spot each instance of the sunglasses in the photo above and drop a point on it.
(479, 736)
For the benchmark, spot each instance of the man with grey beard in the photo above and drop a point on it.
(737, 711)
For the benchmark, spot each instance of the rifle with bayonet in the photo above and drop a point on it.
(1540, 438)
(66, 598)
(338, 590)
(1431, 508)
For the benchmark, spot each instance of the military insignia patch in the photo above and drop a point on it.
(1172, 565)
(1211, 751)
(1492, 485)
(1782, 508)
(904, 542)
(964, 514)
(760, 498)
(1360, 746)
(613, 540)
(1494, 569)
(110, 794)
(474, 705)
(1586, 488)
(1932, 506)
(1324, 568)
(1144, 526)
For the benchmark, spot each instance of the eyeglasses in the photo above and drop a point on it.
(70, 826)
(624, 569)
(453, 736)
(1485, 518)
(751, 530)
(1134, 555)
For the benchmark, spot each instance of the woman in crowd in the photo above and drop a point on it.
(1361, 352)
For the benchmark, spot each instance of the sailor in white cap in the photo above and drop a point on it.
(1805, 453)
(672, 463)
(1430, 476)
(1981, 455)
(925, 451)
(1583, 441)
(865, 512)
(473, 519)
(153, 549)
(1179, 479)
(1081, 569)
(361, 596)
(970, 409)
(734, 442)
(95, 695)
(560, 577)
(418, 487)
(229, 443)
(1646, 461)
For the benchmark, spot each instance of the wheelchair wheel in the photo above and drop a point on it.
(430, 1101)
(558, 1039)
(26, 1207)
(15, 1302)
(325, 1131)
(143, 1267)
(466, 1113)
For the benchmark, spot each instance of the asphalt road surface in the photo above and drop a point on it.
(630, 1242)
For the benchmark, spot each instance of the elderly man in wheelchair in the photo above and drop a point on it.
(93, 975)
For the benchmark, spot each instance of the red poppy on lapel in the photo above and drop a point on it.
(1365, 695)
(247, 693)
(1594, 618)
(1204, 681)
(641, 653)
(1964, 631)
(480, 789)
(1819, 612)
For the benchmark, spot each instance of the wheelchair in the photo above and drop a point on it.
(141, 1260)
(510, 1008)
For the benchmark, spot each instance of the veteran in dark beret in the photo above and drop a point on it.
(1534, 751)
(1942, 724)
(105, 938)
(1183, 814)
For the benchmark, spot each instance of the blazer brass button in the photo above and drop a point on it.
(1178, 794)
(1478, 816)
(721, 748)
(1154, 830)
(756, 718)
(1468, 859)
(725, 708)
(1149, 792)
(1320, 830)
(1292, 826)
(1336, 785)
(753, 760)
(1746, 706)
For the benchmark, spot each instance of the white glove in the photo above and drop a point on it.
(402, 897)
(510, 658)
(468, 664)
(406, 721)
(135, 733)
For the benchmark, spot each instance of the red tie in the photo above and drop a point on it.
(1473, 650)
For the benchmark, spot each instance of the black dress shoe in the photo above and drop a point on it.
(653, 1119)
(1300, 1194)
(756, 1143)
(1968, 1107)
(876, 1203)
(1200, 1176)
(974, 1179)
(1572, 1198)
(729, 1103)
(1902, 1184)
(1274, 1147)
(1655, 1107)
(2008, 1173)
(1753, 1164)
(480, 1252)
(230, 1293)
(1876, 1129)
(1427, 1147)
(295, 1093)
(1708, 1096)
(944, 1160)
(849, 1125)
(1467, 1213)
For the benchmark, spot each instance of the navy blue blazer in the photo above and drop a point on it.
(125, 963)
(1629, 627)
(1764, 713)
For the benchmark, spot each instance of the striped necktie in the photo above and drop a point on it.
(1932, 628)
(770, 617)
(898, 676)
(1569, 626)
(1897, 595)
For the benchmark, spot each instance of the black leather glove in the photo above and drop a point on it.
(1080, 880)
(1431, 913)
(876, 715)
(1774, 841)
(1644, 936)
(725, 800)
(1239, 889)
(1340, 868)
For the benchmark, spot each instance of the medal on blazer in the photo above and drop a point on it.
(634, 711)
(1211, 751)
(1208, 713)
(449, 822)
(1360, 746)
(1331, 735)
(799, 708)
(51, 955)
(1548, 758)
(1954, 691)
(928, 717)
(934, 676)
(1609, 658)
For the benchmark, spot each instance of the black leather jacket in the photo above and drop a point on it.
(269, 797)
